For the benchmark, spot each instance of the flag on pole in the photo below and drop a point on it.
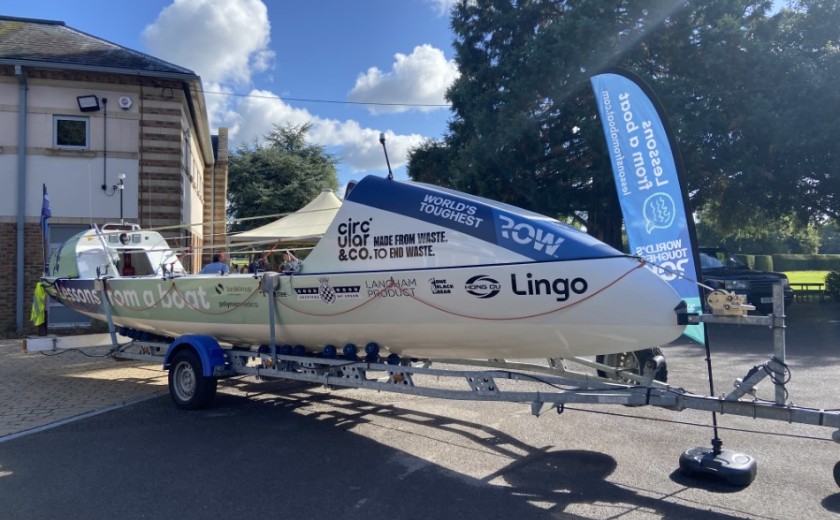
(46, 214)
(648, 177)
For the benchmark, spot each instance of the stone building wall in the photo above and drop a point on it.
(164, 120)
(33, 269)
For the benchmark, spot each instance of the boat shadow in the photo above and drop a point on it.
(545, 478)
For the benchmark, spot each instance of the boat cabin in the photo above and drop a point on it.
(115, 250)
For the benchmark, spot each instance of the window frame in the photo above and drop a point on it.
(58, 118)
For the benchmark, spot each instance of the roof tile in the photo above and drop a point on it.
(51, 42)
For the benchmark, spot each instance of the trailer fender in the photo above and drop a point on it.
(211, 354)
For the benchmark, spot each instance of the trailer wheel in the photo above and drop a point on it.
(634, 362)
(188, 387)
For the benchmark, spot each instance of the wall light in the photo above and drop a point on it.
(88, 103)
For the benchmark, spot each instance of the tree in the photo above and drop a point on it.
(279, 176)
(830, 238)
(786, 236)
(810, 37)
(758, 134)
(520, 106)
(430, 162)
(747, 91)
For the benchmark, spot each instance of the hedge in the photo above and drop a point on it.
(764, 263)
(748, 260)
(790, 262)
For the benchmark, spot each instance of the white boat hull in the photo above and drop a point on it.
(547, 309)
(419, 270)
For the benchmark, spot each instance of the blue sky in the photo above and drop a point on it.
(269, 57)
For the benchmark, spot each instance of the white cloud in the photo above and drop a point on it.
(361, 149)
(221, 40)
(226, 43)
(420, 78)
(358, 148)
(442, 7)
(218, 99)
(256, 114)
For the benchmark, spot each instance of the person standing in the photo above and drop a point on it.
(217, 266)
(257, 265)
(290, 262)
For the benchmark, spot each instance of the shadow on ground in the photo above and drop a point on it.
(294, 451)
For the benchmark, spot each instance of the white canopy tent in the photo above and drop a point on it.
(308, 224)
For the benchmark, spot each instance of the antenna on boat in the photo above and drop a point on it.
(382, 140)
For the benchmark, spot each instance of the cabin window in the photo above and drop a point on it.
(71, 132)
(91, 260)
(134, 262)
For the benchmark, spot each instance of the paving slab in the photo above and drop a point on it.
(44, 388)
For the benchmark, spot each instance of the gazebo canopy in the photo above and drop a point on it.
(308, 224)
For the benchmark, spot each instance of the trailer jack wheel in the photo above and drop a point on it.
(188, 387)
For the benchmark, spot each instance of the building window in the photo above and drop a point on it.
(71, 132)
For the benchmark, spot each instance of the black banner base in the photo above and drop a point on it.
(733, 468)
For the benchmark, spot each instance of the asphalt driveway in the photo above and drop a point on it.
(289, 450)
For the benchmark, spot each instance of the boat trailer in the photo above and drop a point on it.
(195, 364)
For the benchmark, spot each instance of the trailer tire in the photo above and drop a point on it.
(633, 361)
(188, 387)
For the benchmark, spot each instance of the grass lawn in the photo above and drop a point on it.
(806, 276)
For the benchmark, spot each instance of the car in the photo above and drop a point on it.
(721, 270)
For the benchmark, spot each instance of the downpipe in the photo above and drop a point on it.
(21, 197)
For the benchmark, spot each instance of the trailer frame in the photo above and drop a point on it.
(544, 386)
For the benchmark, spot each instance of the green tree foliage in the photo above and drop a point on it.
(830, 238)
(747, 91)
(758, 140)
(278, 176)
(785, 236)
(520, 111)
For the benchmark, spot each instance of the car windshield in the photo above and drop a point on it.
(709, 262)
(719, 259)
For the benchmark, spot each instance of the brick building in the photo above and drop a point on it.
(113, 134)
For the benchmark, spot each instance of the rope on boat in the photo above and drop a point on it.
(392, 285)
(675, 273)
(381, 292)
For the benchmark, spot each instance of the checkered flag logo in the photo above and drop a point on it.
(325, 291)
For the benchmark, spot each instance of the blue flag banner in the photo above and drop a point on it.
(45, 207)
(648, 183)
